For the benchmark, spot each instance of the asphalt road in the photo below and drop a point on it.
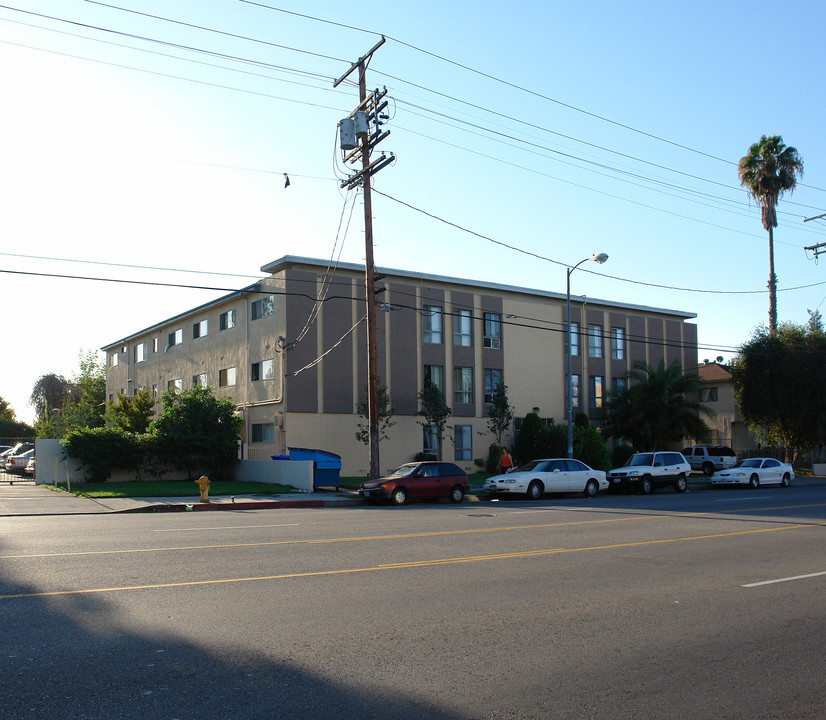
(617, 607)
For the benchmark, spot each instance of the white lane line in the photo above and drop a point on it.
(225, 527)
(786, 579)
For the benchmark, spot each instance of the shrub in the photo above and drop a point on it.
(620, 455)
(590, 448)
(101, 450)
(494, 454)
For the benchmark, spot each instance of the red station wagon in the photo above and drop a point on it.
(418, 481)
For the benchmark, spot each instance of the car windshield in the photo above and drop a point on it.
(751, 462)
(645, 459)
(528, 466)
(403, 471)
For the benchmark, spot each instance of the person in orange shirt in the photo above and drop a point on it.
(505, 461)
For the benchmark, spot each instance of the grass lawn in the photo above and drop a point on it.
(173, 488)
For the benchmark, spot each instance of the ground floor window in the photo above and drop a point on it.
(430, 442)
(263, 433)
(462, 442)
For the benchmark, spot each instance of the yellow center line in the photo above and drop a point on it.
(398, 566)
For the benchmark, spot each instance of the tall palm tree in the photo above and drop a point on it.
(769, 169)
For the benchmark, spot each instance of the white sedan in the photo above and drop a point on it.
(755, 472)
(538, 477)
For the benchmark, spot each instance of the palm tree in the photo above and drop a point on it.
(768, 170)
(656, 408)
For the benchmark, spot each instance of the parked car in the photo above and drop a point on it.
(755, 472)
(709, 458)
(17, 463)
(29, 469)
(649, 470)
(552, 475)
(418, 481)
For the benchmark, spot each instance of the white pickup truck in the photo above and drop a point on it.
(709, 458)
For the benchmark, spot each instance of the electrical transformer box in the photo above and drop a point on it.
(347, 134)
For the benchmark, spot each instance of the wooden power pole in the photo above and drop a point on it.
(363, 118)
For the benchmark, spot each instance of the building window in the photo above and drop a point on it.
(226, 377)
(199, 329)
(462, 442)
(264, 370)
(493, 379)
(176, 385)
(463, 385)
(435, 375)
(493, 331)
(140, 352)
(430, 439)
(263, 433)
(708, 394)
(155, 391)
(462, 323)
(226, 320)
(263, 307)
(574, 338)
(575, 391)
(432, 325)
(595, 341)
(154, 345)
(618, 386)
(617, 343)
(199, 380)
(175, 338)
(113, 360)
(595, 383)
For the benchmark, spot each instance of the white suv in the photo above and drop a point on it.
(709, 458)
(648, 470)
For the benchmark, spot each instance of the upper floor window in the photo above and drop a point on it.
(177, 384)
(595, 383)
(493, 379)
(462, 323)
(493, 331)
(618, 386)
(199, 380)
(175, 338)
(226, 320)
(595, 341)
(434, 375)
(264, 370)
(263, 307)
(226, 377)
(432, 324)
(154, 345)
(575, 391)
(463, 385)
(200, 329)
(617, 343)
(140, 352)
(708, 394)
(574, 338)
(113, 360)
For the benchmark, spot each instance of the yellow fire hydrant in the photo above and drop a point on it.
(203, 483)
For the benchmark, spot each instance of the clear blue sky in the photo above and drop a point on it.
(573, 128)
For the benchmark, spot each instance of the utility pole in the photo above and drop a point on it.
(357, 138)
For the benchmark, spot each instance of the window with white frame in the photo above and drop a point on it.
(595, 385)
(462, 442)
(113, 360)
(617, 343)
(574, 338)
(226, 377)
(462, 328)
(463, 385)
(200, 329)
(575, 391)
(432, 325)
(434, 375)
(177, 384)
(493, 331)
(595, 341)
(140, 352)
(264, 370)
(199, 380)
(226, 320)
(176, 337)
(493, 379)
(263, 432)
(263, 307)
(154, 345)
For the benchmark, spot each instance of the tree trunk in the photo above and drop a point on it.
(772, 285)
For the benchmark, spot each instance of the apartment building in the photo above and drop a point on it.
(290, 351)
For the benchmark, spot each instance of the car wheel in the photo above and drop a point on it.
(708, 469)
(645, 485)
(754, 481)
(786, 481)
(399, 496)
(457, 494)
(681, 484)
(534, 490)
(591, 488)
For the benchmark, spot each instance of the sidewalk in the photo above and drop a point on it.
(26, 498)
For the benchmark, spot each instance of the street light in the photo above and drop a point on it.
(601, 258)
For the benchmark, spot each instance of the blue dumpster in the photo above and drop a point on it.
(326, 466)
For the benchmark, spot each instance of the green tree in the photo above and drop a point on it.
(531, 440)
(656, 408)
(197, 432)
(386, 411)
(767, 171)
(10, 427)
(131, 414)
(780, 385)
(500, 413)
(49, 393)
(435, 412)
